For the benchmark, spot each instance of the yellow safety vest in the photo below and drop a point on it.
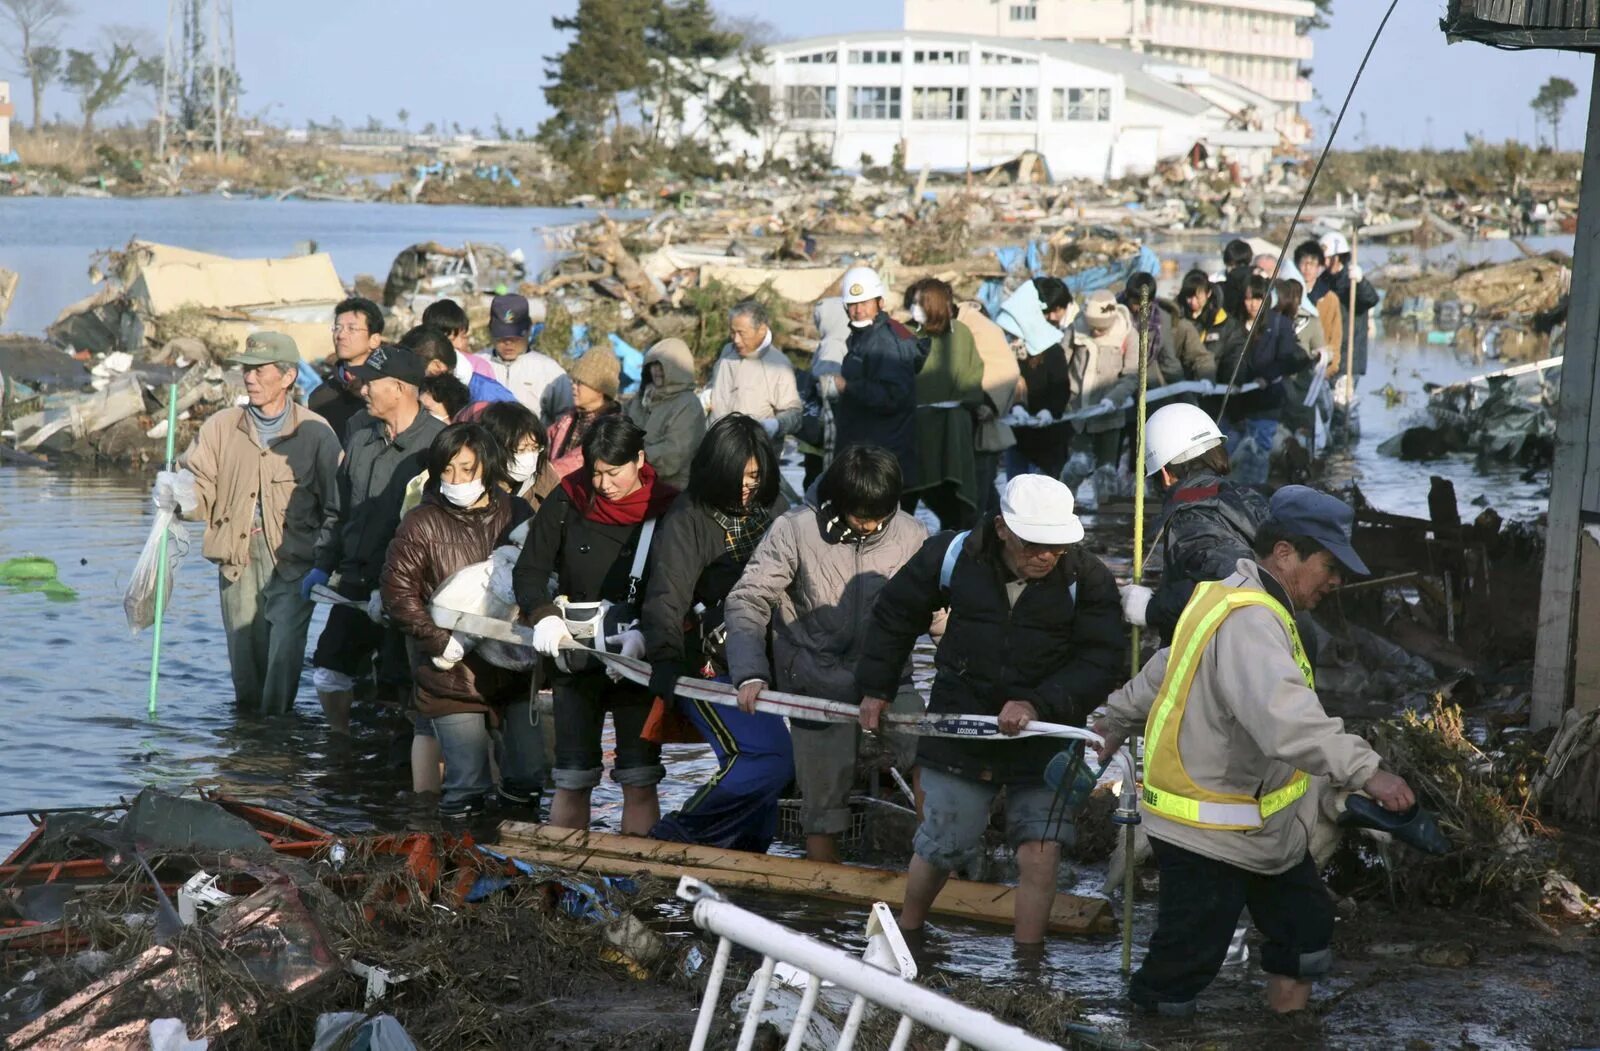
(1168, 788)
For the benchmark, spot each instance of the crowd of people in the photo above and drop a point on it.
(644, 521)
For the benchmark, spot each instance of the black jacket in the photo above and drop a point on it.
(1276, 353)
(335, 402)
(1061, 653)
(692, 565)
(1208, 523)
(879, 402)
(372, 487)
(589, 560)
(1366, 298)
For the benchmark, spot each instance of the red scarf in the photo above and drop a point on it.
(650, 500)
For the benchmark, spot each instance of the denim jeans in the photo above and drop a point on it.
(464, 740)
(1251, 470)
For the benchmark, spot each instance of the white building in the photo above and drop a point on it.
(6, 111)
(1258, 43)
(957, 101)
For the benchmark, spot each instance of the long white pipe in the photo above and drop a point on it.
(971, 1026)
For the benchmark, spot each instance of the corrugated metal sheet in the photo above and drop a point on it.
(1559, 24)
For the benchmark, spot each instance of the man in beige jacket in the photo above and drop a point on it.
(752, 376)
(261, 477)
(1234, 732)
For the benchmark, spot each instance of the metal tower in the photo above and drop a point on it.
(199, 78)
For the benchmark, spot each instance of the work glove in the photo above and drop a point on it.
(313, 578)
(375, 608)
(1046, 417)
(453, 652)
(549, 634)
(1135, 600)
(175, 492)
(1107, 405)
(629, 643)
(771, 427)
(1355, 274)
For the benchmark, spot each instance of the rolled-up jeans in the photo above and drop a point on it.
(464, 740)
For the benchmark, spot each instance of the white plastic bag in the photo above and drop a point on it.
(139, 600)
(471, 590)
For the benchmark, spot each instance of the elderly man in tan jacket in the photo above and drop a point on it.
(752, 376)
(1234, 734)
(261, 477)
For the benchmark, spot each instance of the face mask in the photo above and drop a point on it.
(919, 315)
(464, 494)
(522, 466)
(861, 324)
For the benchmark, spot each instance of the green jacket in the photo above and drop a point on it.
(953, 373)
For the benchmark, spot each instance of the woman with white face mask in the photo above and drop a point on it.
(461, 700)
(521, 436)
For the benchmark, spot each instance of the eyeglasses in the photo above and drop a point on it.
(349, 330)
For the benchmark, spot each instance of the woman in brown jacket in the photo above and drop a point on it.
(461, 698)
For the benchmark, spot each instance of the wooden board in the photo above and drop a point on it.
(614, 854)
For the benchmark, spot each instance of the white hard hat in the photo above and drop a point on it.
(1334, 243)
(860, 284)
(1177, 434)
(1038, 509)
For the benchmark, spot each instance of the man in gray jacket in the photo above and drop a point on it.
(813, 580)
(1234, 733)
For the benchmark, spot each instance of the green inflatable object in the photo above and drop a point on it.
(33, 573)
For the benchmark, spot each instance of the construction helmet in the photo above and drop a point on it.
(1176, 434)
(861, 283)
(1334, 243)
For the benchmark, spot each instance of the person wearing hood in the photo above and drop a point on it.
(462, 700)
(877, 381)
(521, 434)
(1104, 366)
(752, 376)
(669, 412)
(596, 380)
(1038, 316)
(592, 542)
(809, 588)
(949, 392)
(815, 435)
(1268, 353)
(993, 435)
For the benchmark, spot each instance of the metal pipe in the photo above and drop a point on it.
(1128, 788)
(708, 1003)
(161, 556)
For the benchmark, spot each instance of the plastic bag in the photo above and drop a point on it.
(471, 590)
(139, 601)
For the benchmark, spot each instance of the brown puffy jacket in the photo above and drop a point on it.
(435, 540)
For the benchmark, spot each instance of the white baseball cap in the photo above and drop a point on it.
(1038, 509)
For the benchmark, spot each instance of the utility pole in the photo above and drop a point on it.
(203, 102)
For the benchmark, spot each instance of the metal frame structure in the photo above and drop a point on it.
(199, 74)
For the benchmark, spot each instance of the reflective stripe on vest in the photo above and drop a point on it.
(1168, 788)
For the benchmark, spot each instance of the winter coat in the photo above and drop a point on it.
(761, 386)
(670, 414)
(567, 460)
(952, 372)
(1183, 348)
(1103, 365)
(1000, 375)
(1331, 313)
(295, 482)
(1338, 285)
(815, 596)
(878, 404)
(1207, 524)
(1062, 652)
(537, 381)
(336, 403)
(694, 567)
(356, 532)
(434, 541)
(1275, 354)
(1249, 724)
(538, 488)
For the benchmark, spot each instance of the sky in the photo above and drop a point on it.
(300, 60)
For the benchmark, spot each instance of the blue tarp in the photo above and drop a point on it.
(308, 380)
(1032, 256)
(631, 357)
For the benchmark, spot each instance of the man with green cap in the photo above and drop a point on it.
(260, 476)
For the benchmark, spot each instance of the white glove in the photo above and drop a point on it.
(629, 644)
(175, 491)
(770, 426)
(549, 634)
(1108, 405)
(453, 652)
(1355, 273)
(1046, 417)
(375, 608)
(1135, 599)
(828, 386)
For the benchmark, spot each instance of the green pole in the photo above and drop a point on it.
(161, 562)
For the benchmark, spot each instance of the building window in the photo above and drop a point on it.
(939, 58)
(810, 102)
(874, 58)
(816, 58)
(874, 103)
(1024, 12)
(938, 103)
(1009, 104)
(1080, 104)
(997, 58)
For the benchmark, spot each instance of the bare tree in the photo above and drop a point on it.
(102, 78)
(38, 26)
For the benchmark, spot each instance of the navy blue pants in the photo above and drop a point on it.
(738, 807)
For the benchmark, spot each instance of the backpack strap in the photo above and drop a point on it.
(951, 553)
(640, 555)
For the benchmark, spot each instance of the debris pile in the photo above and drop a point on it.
(1506, 416)
(1507, 310)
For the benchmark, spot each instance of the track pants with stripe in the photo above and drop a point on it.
(738, 807)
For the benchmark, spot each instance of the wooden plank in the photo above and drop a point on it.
(1574, 484)
(617, 854)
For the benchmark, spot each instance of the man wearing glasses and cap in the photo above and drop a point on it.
(1234, 733)
(1034, 632)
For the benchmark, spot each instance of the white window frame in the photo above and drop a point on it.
(822, 102)
(1024, 12)
(1010, 105)
(939, 103)
(881, 107)
(875, 57)
(1081, 105)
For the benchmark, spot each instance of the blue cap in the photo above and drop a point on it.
(1303, 511)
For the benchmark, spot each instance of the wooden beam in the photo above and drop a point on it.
(620, 855)
(1573, 482)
